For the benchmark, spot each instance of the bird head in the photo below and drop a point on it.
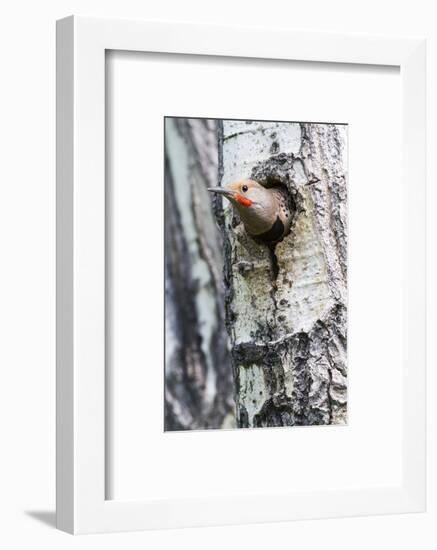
(244, 194)
(254, 202)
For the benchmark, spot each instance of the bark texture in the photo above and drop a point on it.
(198, 376)
(286, 308)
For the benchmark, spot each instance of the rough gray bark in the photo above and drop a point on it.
(286, 308)
(198, 377)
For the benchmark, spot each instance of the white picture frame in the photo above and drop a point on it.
(81, 481)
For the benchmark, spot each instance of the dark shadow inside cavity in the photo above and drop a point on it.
(274, 262)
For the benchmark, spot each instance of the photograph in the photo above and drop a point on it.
(255, 238)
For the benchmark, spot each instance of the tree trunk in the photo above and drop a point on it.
(286, 306)
(198, 377)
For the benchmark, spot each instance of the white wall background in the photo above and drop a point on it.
(27, 270)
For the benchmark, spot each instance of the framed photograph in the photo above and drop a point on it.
(240, 275)
(256, 292)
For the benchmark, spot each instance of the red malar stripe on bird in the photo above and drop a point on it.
(242, 200)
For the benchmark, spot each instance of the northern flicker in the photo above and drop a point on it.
(264, 212)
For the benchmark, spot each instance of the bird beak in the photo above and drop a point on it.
(222, 191)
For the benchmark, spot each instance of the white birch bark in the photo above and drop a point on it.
(288, 329)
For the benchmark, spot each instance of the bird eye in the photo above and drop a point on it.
(244, 188)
